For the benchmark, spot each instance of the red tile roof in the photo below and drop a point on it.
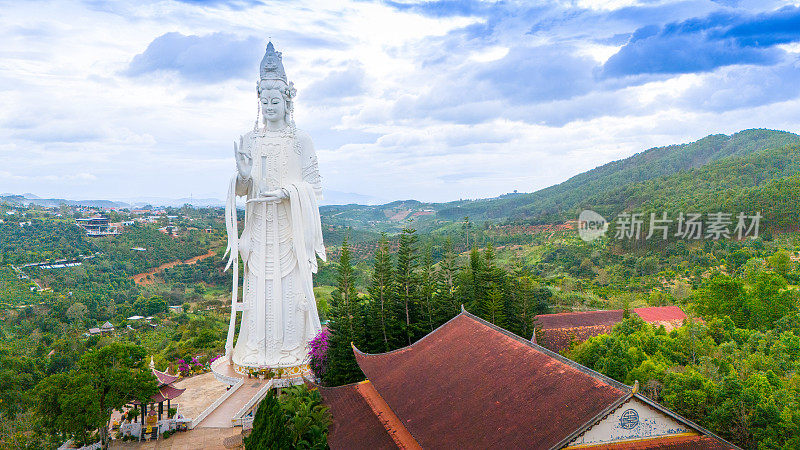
(579, 319)
(558, 339)
(469, 384)
(355, 424)
(164, 378)
(660, 313)
(164, 393)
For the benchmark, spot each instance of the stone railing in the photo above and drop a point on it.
(223, 378)
(239, 382)
(68, 446)
(238, 418)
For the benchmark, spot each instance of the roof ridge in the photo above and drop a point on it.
(391, 422)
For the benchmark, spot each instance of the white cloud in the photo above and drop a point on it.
(401, 104)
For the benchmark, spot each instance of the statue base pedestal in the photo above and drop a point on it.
(231, 374)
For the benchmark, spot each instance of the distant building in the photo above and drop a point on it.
(96, 226)
(471, 384)
(107, 328)
(557, 332)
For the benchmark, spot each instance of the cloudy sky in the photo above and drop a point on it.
(435, 100)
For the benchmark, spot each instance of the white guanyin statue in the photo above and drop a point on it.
(277, 172)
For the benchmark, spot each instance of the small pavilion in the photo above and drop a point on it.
(166, 393)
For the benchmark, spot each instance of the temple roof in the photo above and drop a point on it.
(472, 384)
(355, 423)
(660, 313)
(558, 331)
(579, 319)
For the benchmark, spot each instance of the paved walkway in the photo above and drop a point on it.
(199, 438)
(201, 391)
(222, 415)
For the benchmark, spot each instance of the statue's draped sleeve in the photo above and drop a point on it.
(311, 167)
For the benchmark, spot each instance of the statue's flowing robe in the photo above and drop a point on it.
(278, 246)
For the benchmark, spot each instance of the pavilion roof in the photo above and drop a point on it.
(107, 325)
(164, 378)
(472, 384)
(164, 393)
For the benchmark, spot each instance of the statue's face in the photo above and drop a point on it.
(272, 105)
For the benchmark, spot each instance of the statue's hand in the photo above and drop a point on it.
(279, 194)
(244, 163)
(273, 196)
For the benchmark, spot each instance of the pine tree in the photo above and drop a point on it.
(383, 307)
(345, 325)
(472, 290)
(428, 295)
(407, 284)
(491, 286)
(446, 285)
(528, 298)
(269, 426)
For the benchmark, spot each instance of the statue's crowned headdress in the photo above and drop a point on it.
(272, 65)
(272, 71)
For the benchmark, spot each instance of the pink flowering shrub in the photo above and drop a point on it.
(183, 367)
(318, 353)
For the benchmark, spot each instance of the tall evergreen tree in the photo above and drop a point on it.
(473, 290)
(529, 299)
(428, 297)
(269, 426)
(446, 285)
(345, 325)
(491, 286)
(384, 324)
(407, 285)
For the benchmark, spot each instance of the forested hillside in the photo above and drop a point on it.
(551, 204)
(610, 188)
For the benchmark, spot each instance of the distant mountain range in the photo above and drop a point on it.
(751, 166)
(331, 198)
(717, 171)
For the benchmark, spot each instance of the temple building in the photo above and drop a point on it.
(557, 332)
(471, 384)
